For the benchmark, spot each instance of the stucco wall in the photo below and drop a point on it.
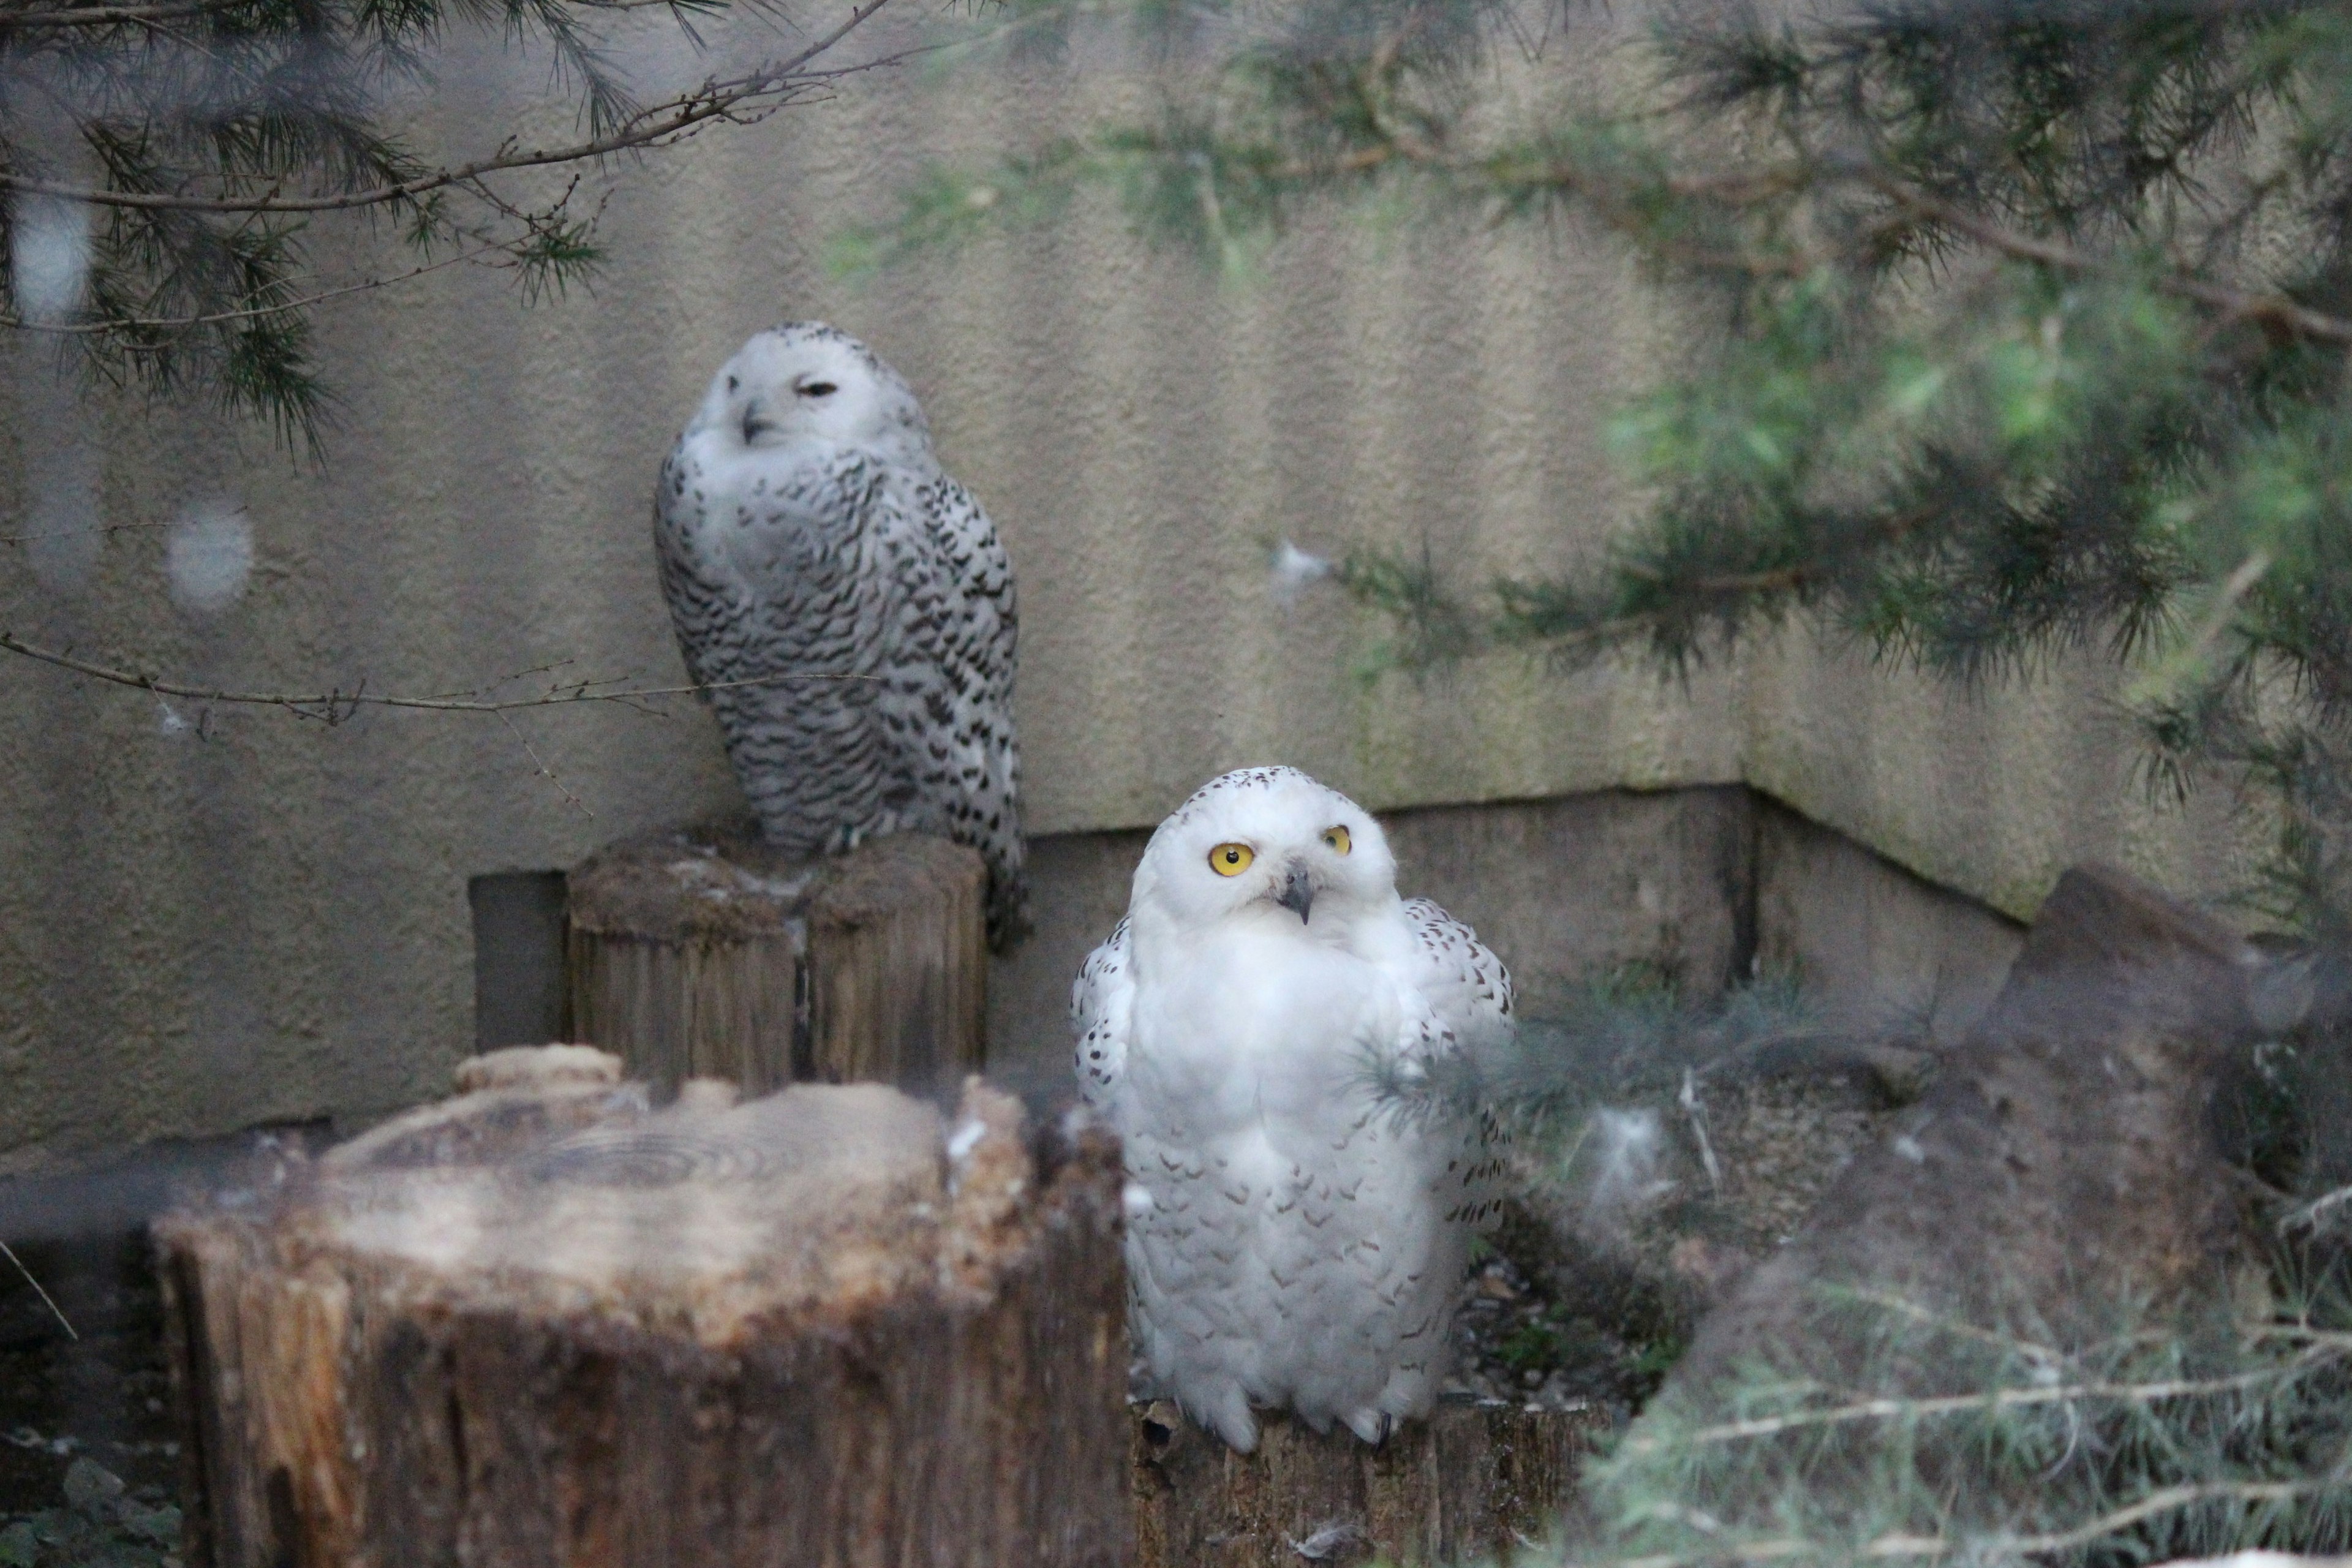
(210, 919)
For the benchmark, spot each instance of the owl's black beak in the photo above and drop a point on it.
(1297, 894)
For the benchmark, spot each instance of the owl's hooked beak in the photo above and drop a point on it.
(1297, 894)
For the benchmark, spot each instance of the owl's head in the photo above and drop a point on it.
(1266, 844)
(805, 381)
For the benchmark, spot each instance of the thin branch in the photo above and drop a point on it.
(335, 706)
(2316, 1213)
(1890, 1407)
(78, 533)
(712, 100)
(540, 763)
(2169, 1499)
(45, 1298)
(107, 16)
(2275, 309)
(303, 303)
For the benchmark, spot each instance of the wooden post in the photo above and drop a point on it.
(544, 1324)
(704, 953)
(1470, 1484)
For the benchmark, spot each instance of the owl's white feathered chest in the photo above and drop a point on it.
(1287, 1239)
(1256, 1031)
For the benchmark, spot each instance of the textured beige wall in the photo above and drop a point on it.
(270, 920)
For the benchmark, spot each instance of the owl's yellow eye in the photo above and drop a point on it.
(1337, 838)
(1231, 859)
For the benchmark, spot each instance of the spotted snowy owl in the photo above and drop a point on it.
(804, 529)
(1293, 1237)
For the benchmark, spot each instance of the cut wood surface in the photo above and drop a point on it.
(705, 954)
(1472, 1484)
(545, 1323)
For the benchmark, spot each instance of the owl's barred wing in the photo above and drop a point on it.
(949, 699)
(1468, 992)
(1102, 1012)
(694, 601)
(1466, 985)
(774, 592)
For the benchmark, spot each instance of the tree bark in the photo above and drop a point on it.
(704, 953)
(1470, 1484)
(545, 1323)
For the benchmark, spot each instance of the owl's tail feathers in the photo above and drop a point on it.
(1008, 908)
(1228, 1416)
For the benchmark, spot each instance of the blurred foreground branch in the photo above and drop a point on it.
(160, 166)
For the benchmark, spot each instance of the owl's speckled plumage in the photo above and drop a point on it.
(1292, 1240)
(805, 528)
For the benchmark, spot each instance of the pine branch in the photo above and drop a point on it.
(107, 16)
(2233, 304)
(2170, 1500)
(1906, 1408)
(133, 325)
(651, 128)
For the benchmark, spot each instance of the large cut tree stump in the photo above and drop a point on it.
(544, 1324)
(1468, 1485)
(705, 954)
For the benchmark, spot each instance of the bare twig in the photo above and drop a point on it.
(47, 1299)
(1695, 1112)
(333, 707)
(77, 532)
(540, 763)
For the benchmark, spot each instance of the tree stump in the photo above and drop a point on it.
(705, 954)
(1470, 1484)
(546, 1323)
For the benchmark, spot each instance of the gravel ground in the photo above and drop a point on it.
(88, 1449)
(1586, 1304)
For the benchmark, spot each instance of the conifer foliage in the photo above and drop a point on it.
(2024, 328)
(162, 163)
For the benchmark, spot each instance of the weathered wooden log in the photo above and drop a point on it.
(1470, 1484)
(705, 954)
(546, 1323)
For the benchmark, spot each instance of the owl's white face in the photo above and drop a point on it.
(1266, 845)
(805, 383)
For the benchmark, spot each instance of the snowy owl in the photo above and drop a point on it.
(1293, 1238)
(804, 529)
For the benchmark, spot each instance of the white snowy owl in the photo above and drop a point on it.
(804, 529)
(1293, 1238)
